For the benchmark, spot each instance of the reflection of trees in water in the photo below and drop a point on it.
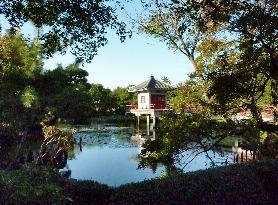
(49, 155)
(183, 138)
(52, 152)
(214, 156)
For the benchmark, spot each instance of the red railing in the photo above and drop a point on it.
(152, 106)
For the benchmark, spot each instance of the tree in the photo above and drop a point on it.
(179, 31)
(166, 80)
(189, 96)
(76, 74)
(236, 65)
(250, 27)
(246, 57)
(19, 69)
(80, 25)
(65, 93)
(102, 100)
(253, 51)
(123, 98)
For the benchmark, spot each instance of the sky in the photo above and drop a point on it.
(130, 62)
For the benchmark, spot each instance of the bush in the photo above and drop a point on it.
(88, 192)
(250, 183)
(31, 185)
(253, 183)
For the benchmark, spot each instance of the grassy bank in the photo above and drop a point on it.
(253, 183)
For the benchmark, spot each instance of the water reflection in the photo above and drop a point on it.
(109, 154)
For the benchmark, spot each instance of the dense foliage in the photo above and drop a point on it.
(236, 184)
(250, 183)
(31, 185)
(79, 25)
(233, 47)
(32, 98)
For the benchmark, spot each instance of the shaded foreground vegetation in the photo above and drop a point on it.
(249, 183)
(230, 73)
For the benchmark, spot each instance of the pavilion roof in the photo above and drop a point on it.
(151, 84)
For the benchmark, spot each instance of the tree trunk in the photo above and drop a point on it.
(193, 61)
(274, 91)
(274, 87)
(255, 112)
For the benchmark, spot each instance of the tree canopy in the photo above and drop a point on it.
(80, 25)
(235, 53)
(235, 66)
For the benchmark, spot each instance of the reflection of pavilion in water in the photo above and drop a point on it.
(142, 135)
(239, 154)
(242, 155)
(220, 155)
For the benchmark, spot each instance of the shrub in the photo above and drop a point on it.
(250, 183)
(31, 185)
(88, 192)
(253, 183)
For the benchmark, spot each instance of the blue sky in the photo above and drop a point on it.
(131, 62)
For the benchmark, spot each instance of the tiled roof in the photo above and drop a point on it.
(151, 84)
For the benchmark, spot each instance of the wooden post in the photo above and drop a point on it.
(80, 144)
(246, 158)
(236, 142)
(154, 121)
(138, 123)
(148, 125)
(154, 134)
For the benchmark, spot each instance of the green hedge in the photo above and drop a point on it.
(31, 185)
(237, 184)
(253, 183)
(87, 192)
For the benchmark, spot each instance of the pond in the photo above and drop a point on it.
(108, 154)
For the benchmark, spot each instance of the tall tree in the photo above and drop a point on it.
(170, 25)
(123, 98)
(249, 49)
(102, 100)
(20, 68)
(252, 26)
(239, 64)
(78, 24)
(64, 92)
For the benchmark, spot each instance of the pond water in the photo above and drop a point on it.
(109, 154)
